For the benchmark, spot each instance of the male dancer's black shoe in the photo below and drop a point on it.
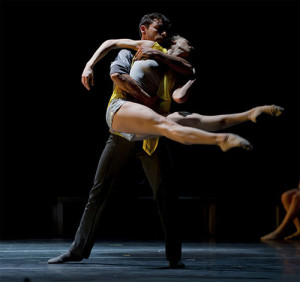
(65, 257)
(177, 264)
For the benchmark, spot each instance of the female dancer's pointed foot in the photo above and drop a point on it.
(65, 257)
(233, 141)
(272, 236)
(270, 110)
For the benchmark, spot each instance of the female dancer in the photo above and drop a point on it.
(135, 121)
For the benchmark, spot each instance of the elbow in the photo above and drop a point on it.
(115, 77)
(180, 100)
(110, 43)
(180, 96)
(122, 81)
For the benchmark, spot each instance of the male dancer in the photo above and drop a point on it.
(118, 151)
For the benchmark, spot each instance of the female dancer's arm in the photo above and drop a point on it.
(87, 78)
(181, 93)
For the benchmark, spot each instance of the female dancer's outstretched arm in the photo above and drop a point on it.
(144, 49)
(87, 77)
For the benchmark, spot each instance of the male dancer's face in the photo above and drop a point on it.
(155, 32)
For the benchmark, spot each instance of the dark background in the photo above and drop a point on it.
(53, 130)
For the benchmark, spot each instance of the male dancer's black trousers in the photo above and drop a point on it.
(158, 169)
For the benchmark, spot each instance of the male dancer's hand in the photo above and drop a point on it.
(145, 52)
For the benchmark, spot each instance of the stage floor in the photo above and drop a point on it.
(145, 261)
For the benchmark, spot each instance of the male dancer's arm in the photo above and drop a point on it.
(177, 64)
(126, 83)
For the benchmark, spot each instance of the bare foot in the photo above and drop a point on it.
(65, 257)
(294, 236)
(233, 141)
(271, 110)
(275, 235)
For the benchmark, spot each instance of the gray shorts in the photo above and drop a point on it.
(113, 107)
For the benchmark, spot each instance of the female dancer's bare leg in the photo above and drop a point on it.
(143, 121)
(218, 122)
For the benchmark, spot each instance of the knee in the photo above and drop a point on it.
(285, 197)
(172, 116)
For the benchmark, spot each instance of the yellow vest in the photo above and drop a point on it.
(164, 90)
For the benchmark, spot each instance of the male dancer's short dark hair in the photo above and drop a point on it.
(149, 19)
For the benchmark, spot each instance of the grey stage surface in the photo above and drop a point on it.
(145, 261)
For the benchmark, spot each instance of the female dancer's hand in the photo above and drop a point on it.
(87, 77)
